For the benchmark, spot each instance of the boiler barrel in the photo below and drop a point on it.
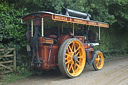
(70, 12)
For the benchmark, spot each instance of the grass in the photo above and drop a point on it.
(22, 72)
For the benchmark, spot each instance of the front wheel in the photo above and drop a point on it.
(98, 62)
(71, 58)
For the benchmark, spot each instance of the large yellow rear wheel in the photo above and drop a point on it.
(99, 60)
(71, 58)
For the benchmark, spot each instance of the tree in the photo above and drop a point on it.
(114, 12)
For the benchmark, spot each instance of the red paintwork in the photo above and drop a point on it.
(52, 36)
(44, 55)
(81, 38)
(44, 50)
(63, 38)
(86, 46)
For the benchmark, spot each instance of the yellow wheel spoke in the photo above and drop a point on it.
(67, 66)
(68, 61)
(77, 53)
(78, 61)
(97, 60)
(73, 45)
(77, 49)
(97, 65)
(70, 48)
(74, 48)
(68, 55)
(73, 69)
(100, 63)
(67, 50)
(74, 66)
(70, 67)
(78, 66)
(80, 56)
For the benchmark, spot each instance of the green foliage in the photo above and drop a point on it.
(115, 12)
(10, 26)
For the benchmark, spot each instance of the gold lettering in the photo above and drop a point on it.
(77, 20)
(60, 18)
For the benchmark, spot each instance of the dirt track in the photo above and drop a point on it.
(114, 72)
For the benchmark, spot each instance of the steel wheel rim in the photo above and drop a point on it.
(75, 58)
(99, 60)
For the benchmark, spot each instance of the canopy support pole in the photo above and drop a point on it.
(99, 33)
(32, 27)
(62, 27)
(73, 28)
(42, 27)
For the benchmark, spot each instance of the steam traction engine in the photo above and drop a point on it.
(63, 40)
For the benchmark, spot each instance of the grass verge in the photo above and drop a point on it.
(22, 72)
